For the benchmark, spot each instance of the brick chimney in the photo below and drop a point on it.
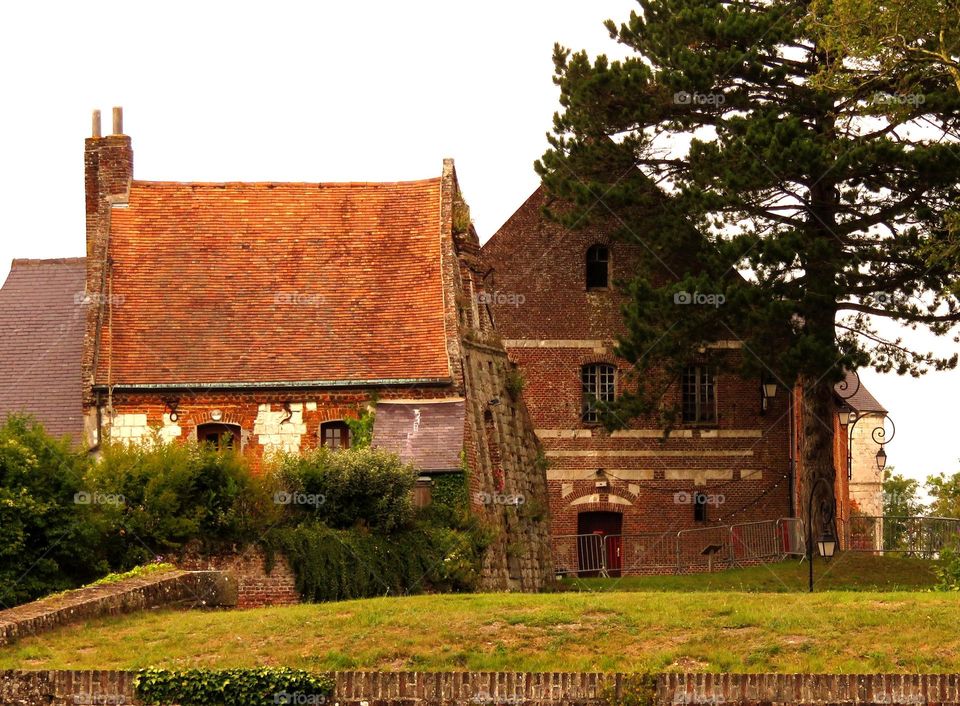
(108, 170)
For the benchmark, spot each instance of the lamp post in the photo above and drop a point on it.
(849, 418)
(827, 544)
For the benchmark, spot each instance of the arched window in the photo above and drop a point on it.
(335, 435)
(221, 436)
(599, 385)
(598, 267)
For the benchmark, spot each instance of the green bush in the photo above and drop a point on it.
(361, 430)
(364, 486)
(948, 570)
(332, 564)
(231, 687)
(174, 494)
(66, 521)
(48, 541)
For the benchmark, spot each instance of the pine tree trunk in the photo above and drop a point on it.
(817, 443)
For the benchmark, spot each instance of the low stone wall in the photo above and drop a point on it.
(64, 688)
(192, 589)
(255, 587)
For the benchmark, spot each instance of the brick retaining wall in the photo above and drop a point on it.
(255, 587)
(196, 589)
(63, 688)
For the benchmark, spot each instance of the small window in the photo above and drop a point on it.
(220, 436)
(699, 392)
(598, 267)
(699, 506)
(599, 385)
(335, 435)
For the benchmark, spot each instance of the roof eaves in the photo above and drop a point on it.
(283, 384)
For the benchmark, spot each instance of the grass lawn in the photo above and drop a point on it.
(607, 630)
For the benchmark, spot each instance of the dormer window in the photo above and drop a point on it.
(598, 267)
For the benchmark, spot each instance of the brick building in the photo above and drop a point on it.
(264, 315)
(731, 460)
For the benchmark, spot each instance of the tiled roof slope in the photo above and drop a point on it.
(861, 398)
(276, 282)
(428, 435)
(41, 342)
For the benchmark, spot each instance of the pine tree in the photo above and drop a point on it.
(811, 209)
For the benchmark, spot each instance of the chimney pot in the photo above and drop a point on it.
(96, 124)
(117, 120)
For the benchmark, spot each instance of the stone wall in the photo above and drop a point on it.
(866, 485)
(503, 457)
(64, 688)
(192, 589)
(255, 587)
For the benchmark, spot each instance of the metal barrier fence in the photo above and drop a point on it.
(687, 550)
(916, 536)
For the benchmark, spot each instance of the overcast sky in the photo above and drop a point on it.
(320, 91)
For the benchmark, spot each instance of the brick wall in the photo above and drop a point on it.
(258, 414)
(255, 587)
(193, 589)
(63, 688)
(552, 325)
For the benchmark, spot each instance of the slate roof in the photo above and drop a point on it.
(861, 400)
(263, 283)
(41, 343)
(428, 435)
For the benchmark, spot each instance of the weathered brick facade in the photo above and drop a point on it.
(268, 309)
(552, 325)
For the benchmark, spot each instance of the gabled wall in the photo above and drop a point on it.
(552, 325)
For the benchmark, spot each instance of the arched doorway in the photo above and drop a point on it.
(221, 436)
(599, 543)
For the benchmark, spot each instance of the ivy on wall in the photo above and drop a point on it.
(231, 687)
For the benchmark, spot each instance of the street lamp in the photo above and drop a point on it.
(768, 390)
(849, 418)
(826, 544)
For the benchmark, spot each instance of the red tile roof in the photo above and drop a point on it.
(276, 282)
(41, 342)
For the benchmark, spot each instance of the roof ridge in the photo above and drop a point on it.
(274, 184)
(25, 261)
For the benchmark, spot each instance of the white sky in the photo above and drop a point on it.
(320, 91)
